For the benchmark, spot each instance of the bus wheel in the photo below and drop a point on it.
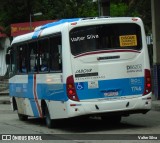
(22, 117)
(49, 121)
(112, 119)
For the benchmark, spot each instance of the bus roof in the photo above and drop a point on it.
(36, 33)
(59, 22)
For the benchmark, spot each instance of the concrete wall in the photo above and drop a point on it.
(5, 42)
(155, 4)
(156, 46)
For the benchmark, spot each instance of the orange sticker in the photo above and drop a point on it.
(128, 40)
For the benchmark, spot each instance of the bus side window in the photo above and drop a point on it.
(33, 57)
(12, 66)
(43, 46)
(56, 53)
(22, 59)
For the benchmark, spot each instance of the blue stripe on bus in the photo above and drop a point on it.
(57, 92)
(30, 94)
(37, 33)
(124, 87)
(25, 90)
(59, 22)
(54, 92)
(34, 108)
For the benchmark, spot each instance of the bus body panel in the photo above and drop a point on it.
(24, 107)
(106, 81)
(121, 76)
(32, 89)
(137, 104)
(46, 86)
(112, 73)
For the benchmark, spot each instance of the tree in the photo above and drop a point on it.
(19, 10)
(136, 8)
(142, 9)
(69, 8)
(14, 12)
(119, 9)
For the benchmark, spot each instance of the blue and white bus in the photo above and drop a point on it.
(81, 67)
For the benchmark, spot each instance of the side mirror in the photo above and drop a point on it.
(8, 59)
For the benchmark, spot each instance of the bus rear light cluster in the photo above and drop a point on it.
(74, 23)
(71, 90)
(147, 82)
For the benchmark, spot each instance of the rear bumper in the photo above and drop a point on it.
(124, 107)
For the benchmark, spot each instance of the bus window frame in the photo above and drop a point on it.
(49, 37)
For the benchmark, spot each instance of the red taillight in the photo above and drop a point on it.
(74, 23)
(135, 19)
(71, 90)
(147, 82)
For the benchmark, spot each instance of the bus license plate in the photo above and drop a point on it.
(111, 93)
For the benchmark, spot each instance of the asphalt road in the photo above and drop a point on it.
(131, 128)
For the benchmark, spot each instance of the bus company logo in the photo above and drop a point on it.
(84, 71)
(134, 68)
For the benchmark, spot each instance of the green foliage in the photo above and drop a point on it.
(135, 8)
(17, 11)
(120, 9)
(69, 8)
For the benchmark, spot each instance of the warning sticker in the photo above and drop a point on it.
(92, 84)
(128, 40)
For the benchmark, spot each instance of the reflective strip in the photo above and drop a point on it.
(36, 97)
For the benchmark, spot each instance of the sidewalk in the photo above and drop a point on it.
(5, 99)
(156, 105)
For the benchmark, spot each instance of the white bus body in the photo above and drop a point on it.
(104, 70)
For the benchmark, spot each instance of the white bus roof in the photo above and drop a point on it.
(56, 26)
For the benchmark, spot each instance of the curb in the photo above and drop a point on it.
(4, 98)
(4, 94)
(156, 107)
(4, 102)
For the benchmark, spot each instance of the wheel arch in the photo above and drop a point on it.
(43, 106)
(14, 104)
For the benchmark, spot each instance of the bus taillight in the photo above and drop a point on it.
(147, 82)
(71, 90)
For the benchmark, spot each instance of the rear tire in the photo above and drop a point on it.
(49, 121)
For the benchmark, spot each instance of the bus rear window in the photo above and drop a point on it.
(105, 37)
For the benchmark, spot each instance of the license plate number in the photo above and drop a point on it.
(111, 93)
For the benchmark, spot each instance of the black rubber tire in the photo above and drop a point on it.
(49, 121)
